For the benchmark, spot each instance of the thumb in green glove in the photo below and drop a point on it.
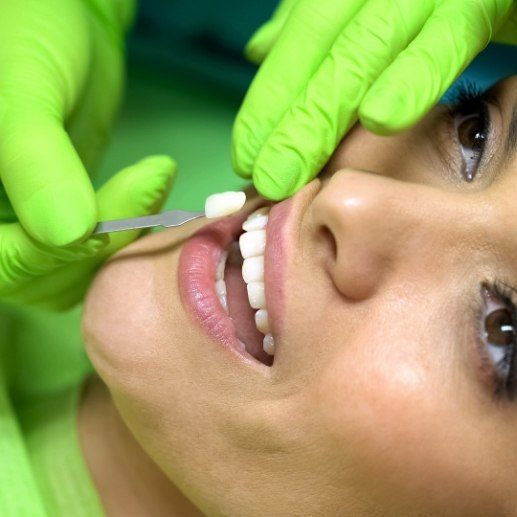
(57, 278)
(386, 62)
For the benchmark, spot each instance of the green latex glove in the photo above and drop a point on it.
(330, 62)
(61, 75)
(57, 278)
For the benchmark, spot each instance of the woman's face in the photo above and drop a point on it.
(389, 284)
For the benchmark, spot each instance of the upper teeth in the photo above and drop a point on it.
(252, 245)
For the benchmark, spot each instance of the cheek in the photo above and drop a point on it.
(397, 438)
(116, 307)
(119, 320)
(130, 311)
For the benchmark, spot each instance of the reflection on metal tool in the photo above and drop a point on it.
(165, 219)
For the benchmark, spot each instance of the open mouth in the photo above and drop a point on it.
(221, 280)
(239, 285)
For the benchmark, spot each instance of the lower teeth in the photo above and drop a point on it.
(269, 344)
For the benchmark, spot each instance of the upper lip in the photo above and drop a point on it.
(284, 220)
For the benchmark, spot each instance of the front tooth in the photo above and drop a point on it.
(257, 213)
(256, 295)
(219, 273)
(262, 321)
(253, 269)
(268, 345)
(220, 288)
(252, 244)
(257, 222)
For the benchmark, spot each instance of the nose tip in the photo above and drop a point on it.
(363, 214)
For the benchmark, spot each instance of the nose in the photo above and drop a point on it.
(376, 225)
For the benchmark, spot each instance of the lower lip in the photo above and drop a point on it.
(197, 265)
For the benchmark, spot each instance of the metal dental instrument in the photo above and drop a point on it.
(165, 219)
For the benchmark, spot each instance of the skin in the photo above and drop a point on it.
(377, 402)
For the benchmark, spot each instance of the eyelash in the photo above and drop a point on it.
(468, 99)
(503, 384)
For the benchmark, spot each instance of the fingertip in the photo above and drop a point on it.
(273, 186)
(254, 53)
(160, 162)
(261, 42)
(383, 112)
(152, 181)
(238, 161)
(94, 245)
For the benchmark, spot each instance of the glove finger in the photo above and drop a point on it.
(309, 132)
(507, 34)
(261, 43)
(56, 291)
(23, 258)
(89, 124)
(314, 26)
(44, 178)
(454, 34)
(138, 190)
(57, 278)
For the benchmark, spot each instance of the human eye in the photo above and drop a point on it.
(470, 117)
(497, 338)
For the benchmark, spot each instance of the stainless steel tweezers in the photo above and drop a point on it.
(165, 219)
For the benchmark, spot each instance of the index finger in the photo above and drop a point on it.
(451, 38)
(309, 33)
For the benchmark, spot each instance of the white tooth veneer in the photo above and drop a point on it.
(225, 203)
(262, 321)
(253, 269)
(256, 295)
(252, 244)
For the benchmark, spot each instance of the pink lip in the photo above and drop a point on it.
(198, 262)
(197, 265)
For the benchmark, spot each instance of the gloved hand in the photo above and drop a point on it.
(61, 74)
(32, 273)
(329, 62)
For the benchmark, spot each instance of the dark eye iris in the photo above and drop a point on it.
(498, 339)
(499, 327)
(471, 133)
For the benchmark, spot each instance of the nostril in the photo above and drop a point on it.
(328, 244)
